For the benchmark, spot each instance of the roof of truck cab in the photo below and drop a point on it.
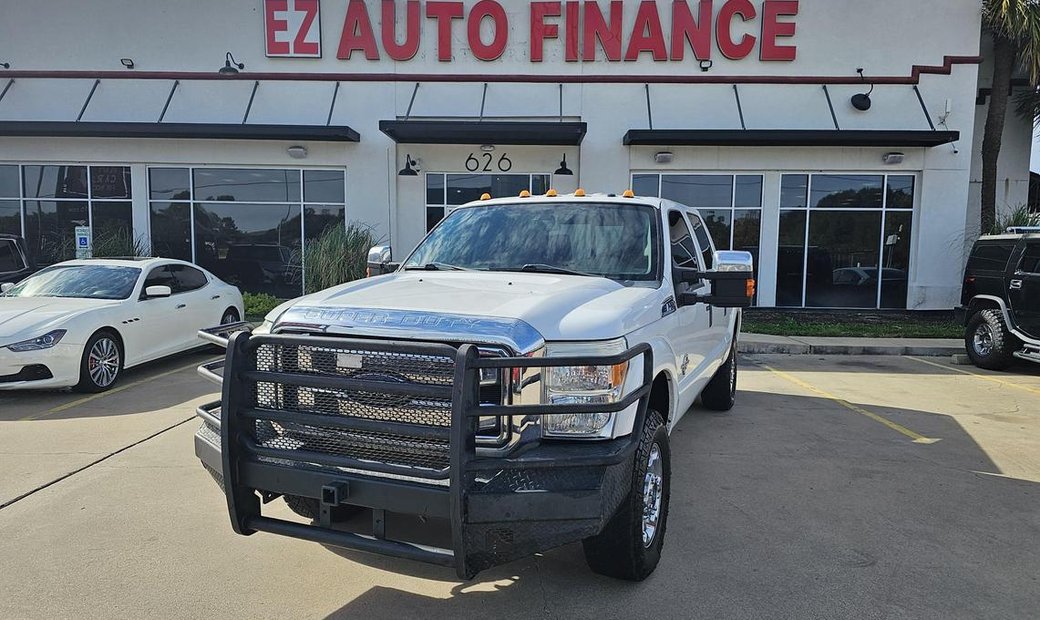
(656, 203)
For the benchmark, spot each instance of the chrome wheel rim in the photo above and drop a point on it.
(228, 319)
(982, 341)
(653, 490)
(103, 362)
(733, 373)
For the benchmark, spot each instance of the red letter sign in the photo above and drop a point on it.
(444, 13)
(408, 49)
(685, 29)
(540, 31)
(724, 29)
(293, 28)
(497, 47)
(647, 35)
(596, 29)
(357, 33)
(773, 29)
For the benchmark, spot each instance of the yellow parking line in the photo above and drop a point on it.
(899, 428)
(87, 399)
(977, 375)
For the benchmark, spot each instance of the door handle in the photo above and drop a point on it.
(214, 297)
(181, 306)
(1016, 285)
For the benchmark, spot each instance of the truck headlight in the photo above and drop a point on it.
(583, 385)
(45, 341)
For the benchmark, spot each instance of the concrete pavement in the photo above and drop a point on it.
(808, 500)
(814, 345)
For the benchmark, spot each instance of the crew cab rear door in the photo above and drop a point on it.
(1024, 290)
(689, 333)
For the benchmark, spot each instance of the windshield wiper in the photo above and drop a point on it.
(543, 268)
(436, 267)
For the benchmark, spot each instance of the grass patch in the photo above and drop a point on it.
(853, 327)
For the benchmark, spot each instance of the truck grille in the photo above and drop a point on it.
(295, 363)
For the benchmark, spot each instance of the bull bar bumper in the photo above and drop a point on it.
(495, 509)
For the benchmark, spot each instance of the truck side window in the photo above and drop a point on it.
(684, 251)
(1030, 262)
(703, 240)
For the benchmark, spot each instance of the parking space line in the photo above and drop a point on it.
(116, 390)
(977, 375)
(899, 428)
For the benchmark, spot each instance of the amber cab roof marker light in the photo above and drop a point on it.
(485, 196)
(579, 193)
(525, 194)
(551, 194)
(629, 194)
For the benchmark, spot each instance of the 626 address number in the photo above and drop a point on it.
(482, 163)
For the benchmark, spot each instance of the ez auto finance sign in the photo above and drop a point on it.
(583, 31)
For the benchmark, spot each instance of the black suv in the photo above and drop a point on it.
(1000, 302)
(15, 264)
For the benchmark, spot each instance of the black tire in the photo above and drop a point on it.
(621, 550)
(230, 316)
(989, 343)
(101, 364)
(721, 392)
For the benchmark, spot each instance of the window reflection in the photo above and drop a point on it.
(247, 185)
(790, 259)
(50, 228)
(700, 191)
(846, 191)
(843, 265)
(9, 182)
(10, 217)
(55, 181)
(171, 230)
(896, 260)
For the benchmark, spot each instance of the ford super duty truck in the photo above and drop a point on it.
(508, 388)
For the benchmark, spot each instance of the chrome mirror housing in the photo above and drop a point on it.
(734, 262)
(380, 259)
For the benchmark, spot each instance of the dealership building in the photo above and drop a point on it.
(837, 140)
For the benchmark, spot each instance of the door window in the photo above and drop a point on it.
(160, 276)
(1030, 262)
(684, 251)
(187, 278)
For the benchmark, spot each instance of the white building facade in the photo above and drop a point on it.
(117, 115)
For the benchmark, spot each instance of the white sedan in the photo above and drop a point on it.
(81, 323)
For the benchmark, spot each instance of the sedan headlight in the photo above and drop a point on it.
(45, 341)
(583, 385)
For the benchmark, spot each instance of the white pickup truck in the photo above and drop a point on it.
(507, 389)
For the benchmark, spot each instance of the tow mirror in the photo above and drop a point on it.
(380, 260)
(157, 291)
(732, 282)
(6, 286)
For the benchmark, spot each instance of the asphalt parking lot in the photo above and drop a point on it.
(838, 487)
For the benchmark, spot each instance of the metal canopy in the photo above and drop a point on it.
(789, 137)
(459, 131)
(219, 131)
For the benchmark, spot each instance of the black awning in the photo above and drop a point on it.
(548, 133)
(788, 137)
(218, 131)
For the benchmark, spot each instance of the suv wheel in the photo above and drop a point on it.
(989, 343)
(630, 545)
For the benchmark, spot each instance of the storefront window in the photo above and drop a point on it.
(45, 204)
(849, 245)
(731, 205)
(451, 190)
(247, 226)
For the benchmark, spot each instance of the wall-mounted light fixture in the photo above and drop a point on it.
(297, 152)
(563, 170)
(5, 65)
(408, 170)
(231, 66)
(862, 101)
(487, 148)
(664, 157)
(127, 62)
(893, 159)
(706, 65)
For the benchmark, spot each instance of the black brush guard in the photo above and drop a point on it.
(499, 509)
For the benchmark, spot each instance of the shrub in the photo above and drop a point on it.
(1020, 216)
(338, 255)
(118, 243)
(259, 304)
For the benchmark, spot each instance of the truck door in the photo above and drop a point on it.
(1024, 290)
(690, 334)
(720, 319)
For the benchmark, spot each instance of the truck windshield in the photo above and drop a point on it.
(595, 239)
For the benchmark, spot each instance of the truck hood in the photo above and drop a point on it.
(559, 307)
(24, 316)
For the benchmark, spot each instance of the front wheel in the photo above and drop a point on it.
(101, 364)
(989, 343)
(630, 545)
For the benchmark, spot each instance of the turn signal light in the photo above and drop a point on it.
(629, 194)
(579, 193)
(750, 288)
(485, 196)
(525, 194)
(551, 193)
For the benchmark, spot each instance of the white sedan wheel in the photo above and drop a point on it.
(103, 362)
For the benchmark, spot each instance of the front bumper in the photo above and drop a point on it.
(25, 370)
(492, 510)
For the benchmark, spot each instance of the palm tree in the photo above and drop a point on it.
(1015, 28)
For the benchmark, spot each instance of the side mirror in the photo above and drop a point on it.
(379, 261)
(157, 291)
(732, 282)
(6, 286)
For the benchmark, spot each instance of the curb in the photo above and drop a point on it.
(795, 347)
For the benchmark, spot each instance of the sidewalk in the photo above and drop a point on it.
(810, 345)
